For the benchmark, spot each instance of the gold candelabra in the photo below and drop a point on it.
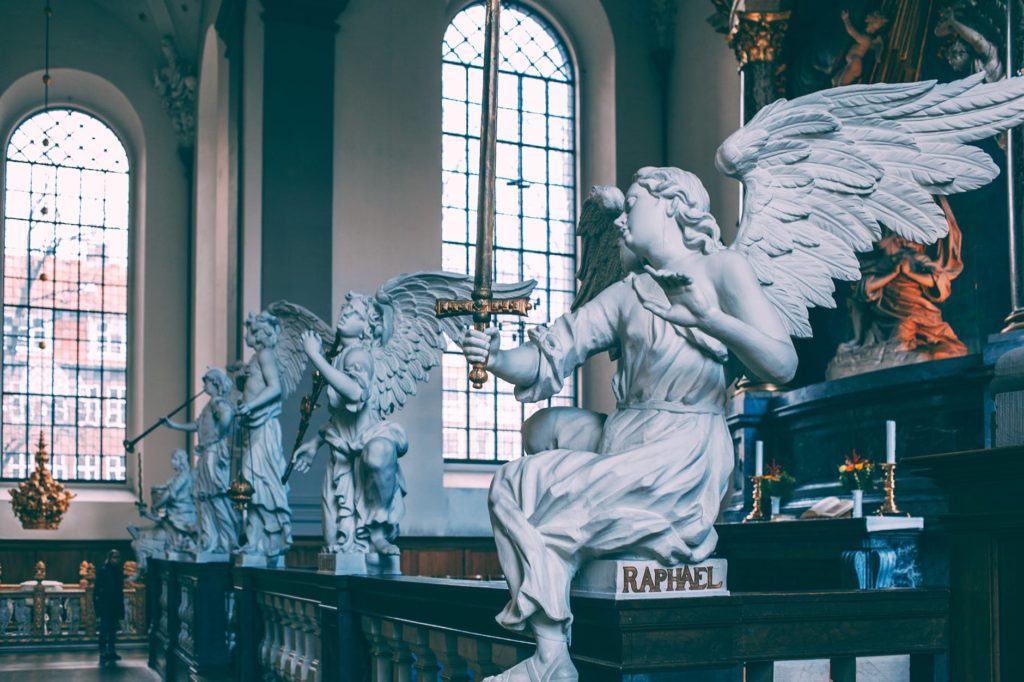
(755, 513)
(888, 507)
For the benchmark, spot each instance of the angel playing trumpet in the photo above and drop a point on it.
(822, 174)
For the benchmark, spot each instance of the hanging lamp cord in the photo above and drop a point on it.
(46, 59)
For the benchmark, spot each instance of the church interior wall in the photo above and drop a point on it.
(704, 108)
(113, 79)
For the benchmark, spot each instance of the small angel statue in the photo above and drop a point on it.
(822, 174)
(173, 514)
(218, 520)
(268, 519)
(386, 344)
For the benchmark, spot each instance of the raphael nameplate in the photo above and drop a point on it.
(641, 579)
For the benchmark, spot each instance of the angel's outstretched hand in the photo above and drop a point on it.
(311, 343)
(480, 346)
(304, 456)
(686, 304)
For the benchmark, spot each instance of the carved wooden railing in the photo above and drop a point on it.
(44, 614)
(300, 626)
(290, 648)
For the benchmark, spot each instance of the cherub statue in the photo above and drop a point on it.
(896, 313)
(268, 521)
(218, 520)
(969, 50)
(173, 513)
(822, 173)
(869, 40)
(387, 343)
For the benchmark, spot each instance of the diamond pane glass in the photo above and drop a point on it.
(65, 298)
(535, 205)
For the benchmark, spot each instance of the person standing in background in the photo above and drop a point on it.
(108, 600)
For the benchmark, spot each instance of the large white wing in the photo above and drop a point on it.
(822, 173)
(291, 358)
(413, 339)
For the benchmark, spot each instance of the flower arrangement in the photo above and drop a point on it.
(777, 482)
(856, 473)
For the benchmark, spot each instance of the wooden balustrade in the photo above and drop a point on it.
(57, 614)
(299, 626)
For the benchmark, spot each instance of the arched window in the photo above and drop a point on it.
(536, 204)
(65, 305)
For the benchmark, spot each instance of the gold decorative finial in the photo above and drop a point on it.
(40, 501)
(86, 573)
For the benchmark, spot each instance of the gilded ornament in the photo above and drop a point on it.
(86, 573)
(40, 501)
(758, 36)
(241, 492)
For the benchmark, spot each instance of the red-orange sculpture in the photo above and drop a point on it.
(897, 318)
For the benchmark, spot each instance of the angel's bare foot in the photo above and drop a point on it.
(535, 669)
(381, 544)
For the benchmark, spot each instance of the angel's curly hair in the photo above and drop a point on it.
(376, 319)
(266, 322)
(689, 205)
(220, 379)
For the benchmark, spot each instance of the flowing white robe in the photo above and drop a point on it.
(662, 468)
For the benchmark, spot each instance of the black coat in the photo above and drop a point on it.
(108, 593)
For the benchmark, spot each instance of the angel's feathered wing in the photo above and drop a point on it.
(291, 358)
(414, 338)
(601, 261)
(824, 172)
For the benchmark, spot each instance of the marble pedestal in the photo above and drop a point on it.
(245, 559)
(210, 557)
(357, 563)
(644, 579)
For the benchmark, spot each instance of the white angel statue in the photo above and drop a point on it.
(822, 174)
(268, 519)
(386, 344)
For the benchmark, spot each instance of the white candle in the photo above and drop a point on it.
(890, 442)
(759, 458)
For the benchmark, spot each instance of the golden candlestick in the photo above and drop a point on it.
(756, 514)
(888, 507)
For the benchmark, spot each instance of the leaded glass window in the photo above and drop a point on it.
(535, 203)
(65, 304)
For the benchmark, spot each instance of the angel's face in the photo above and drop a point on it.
(352, 321)
(643, 223)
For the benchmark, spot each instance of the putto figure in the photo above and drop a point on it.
(218, 520)
(822, 174)
(386, 344)
(268, 519)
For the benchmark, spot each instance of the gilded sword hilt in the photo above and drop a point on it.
(481, 309)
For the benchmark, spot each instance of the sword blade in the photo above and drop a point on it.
(483, 276)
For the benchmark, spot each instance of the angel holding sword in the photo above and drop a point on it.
(822, 174)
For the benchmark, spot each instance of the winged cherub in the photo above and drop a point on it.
(822, 174)
(387, 344)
